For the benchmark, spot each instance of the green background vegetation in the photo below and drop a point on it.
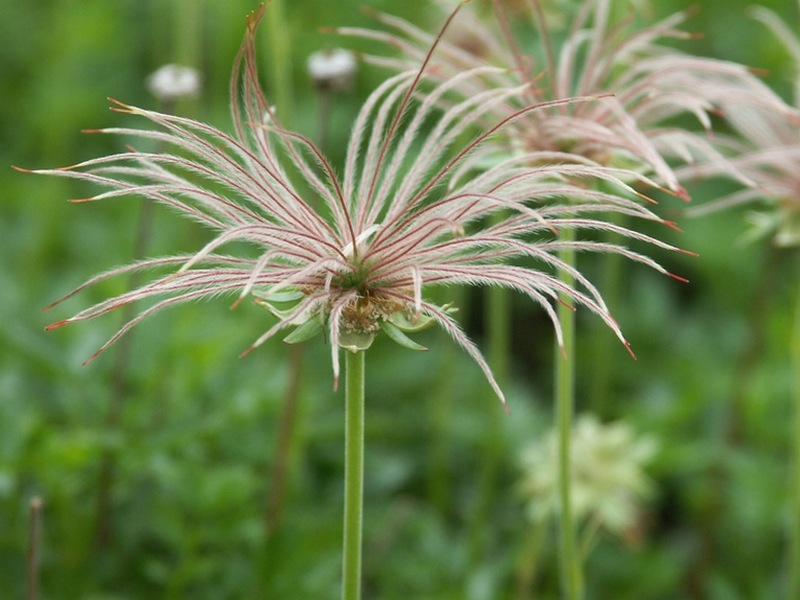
(195, 442)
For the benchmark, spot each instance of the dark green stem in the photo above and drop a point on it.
(280, 72)
(794, 502)
(34, 537)
(498, 323)
(572, 578)
(286, 439)
(353, 475)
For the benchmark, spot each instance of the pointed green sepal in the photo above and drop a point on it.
(399, 337)
(405, 321)
(305, 331)
(287, 296)
(355, 341)
(281, 314)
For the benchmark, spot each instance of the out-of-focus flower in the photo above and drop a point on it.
(608, 477)
(651, 83)
(172, 82)
(765, 148)
(351, 255)
(332, 69)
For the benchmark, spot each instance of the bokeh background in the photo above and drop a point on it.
(159, 479)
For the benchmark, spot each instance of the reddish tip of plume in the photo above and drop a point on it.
(672, 225)
(683, 194)
(505, 408)
(567, 304)
(79, 200)
(91, 358)
(246, 352)
(55, 325)
(327, 29)
(630, 350)
(647, 198)
(692, 10)
(119, 106)
(677, 277)
(20, 169)
(760, 71)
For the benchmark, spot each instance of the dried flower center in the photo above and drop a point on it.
(365, 313)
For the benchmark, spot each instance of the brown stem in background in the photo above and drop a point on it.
(34, 537)
(759, 308)
(735, 417)
(286, 428)
(325, 100)
(103, 533)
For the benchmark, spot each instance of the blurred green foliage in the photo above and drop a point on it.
(195, 441)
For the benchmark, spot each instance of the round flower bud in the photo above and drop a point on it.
(332, 69)
(172, 82)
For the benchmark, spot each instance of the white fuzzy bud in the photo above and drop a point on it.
(332, 69)
(171, 82)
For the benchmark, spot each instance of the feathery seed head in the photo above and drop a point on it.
(762, 151)
(350, 255)
(647, 83)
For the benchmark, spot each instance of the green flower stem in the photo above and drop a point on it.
(286, 441)
(602, 364)
(353, 475)
(794, 502)
(498, 322)
(280, 72)
(572, 577)
(188, 32)
(529, 559)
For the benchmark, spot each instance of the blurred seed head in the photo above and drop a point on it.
(172, 82)
(332, 69)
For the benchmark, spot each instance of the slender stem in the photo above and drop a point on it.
(572, 578)
(528, 562)
(601, 368)
(440, 402)
(497, 317)
(120, 377)
(794, 502)
(353, 475)
(287, 434)
(280, 72)
(34, 536)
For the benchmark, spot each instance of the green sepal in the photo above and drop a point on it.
(405, 321)
(356, 341)
(281, 314)
(305, 331)
(287, 296)
(399, 337)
